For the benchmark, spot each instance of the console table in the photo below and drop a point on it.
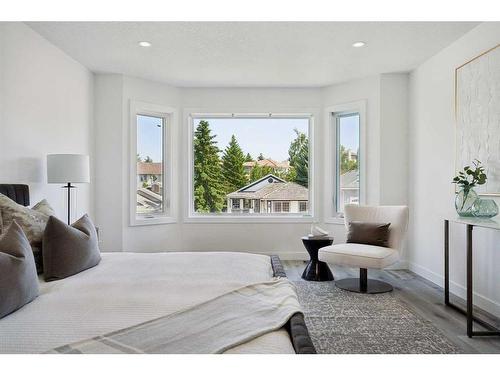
(470, 223)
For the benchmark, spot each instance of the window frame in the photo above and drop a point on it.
(169, 116)
(332, 216)
(192, 216)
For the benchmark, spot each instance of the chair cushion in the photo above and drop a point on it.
(358, 255)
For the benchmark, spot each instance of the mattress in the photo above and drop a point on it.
(130, 288)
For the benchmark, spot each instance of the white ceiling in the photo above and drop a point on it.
(251, 54)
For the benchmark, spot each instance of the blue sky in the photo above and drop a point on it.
(349, 132)
(149, 140)
(271, 136)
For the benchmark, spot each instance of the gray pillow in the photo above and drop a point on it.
(68, 250)
(367, 233)
(18, 278)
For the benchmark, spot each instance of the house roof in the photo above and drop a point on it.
(289, 191)
(266, 177)
(268, 163)
(149, 168)
(349, 180)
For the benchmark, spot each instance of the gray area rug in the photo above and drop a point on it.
(348, 323)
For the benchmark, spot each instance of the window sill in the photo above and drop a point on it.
(335, 220)
(249, 219)
(136, 222)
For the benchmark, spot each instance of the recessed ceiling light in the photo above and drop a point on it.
(358, 44)
(145, 44)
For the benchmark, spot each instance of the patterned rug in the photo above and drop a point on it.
(345, 322)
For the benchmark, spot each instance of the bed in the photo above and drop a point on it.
(127, 289)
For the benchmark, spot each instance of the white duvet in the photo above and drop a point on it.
(130, 288)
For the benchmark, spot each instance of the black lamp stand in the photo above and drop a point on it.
(69, 187)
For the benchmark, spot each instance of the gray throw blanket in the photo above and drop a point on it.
(213, 326)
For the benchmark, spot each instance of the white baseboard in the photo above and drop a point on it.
(485, 303)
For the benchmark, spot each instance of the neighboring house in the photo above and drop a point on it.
(349, 187)
(270, 194)
(352, 155)
(148, 201)
(149, 187)
(276, 166)
(148, 173)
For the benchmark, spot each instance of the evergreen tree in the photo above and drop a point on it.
(299, 158)
(148, 160)
(290, 176)
(232, 167)
(258, 172)
(208, 189)
(248, 157)
(260, 157)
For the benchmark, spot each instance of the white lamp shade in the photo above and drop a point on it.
(64, 168)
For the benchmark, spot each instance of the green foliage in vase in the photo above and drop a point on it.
(470, 176)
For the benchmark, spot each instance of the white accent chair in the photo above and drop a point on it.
(368, 256)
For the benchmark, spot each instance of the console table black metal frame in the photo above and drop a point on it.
(468, 312)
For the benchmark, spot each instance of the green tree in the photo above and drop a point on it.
(233, 171)
(299, 158)
(258, 172)
(248, 157)
(347, 164)
(290, 175)
(260, 157)
(208, 189)
(148, 160)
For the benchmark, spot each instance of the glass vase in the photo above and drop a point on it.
(464, 202)
(485, 208)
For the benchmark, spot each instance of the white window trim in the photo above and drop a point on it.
(169, 115)
(331, 215)
(193, 217)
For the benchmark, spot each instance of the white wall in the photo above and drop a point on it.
(45, 107)
(431, 163)
(109, 148)
(394, 139)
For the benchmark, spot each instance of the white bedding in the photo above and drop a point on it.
(130, 288)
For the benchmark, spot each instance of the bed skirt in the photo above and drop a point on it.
(296, 326)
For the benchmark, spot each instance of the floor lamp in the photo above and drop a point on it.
(68, 169)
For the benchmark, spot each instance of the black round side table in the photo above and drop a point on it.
(316, 270)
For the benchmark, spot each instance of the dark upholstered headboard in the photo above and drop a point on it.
(17, 192)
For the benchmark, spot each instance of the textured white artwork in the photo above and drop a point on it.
(478, 117)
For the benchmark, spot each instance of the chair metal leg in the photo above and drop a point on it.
(363, 284)
(363, 280)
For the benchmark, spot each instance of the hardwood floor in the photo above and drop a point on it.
(426, 299)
